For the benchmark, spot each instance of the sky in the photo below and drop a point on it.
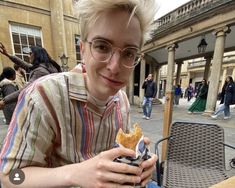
(166, 6)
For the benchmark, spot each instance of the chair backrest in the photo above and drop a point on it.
(197, 145)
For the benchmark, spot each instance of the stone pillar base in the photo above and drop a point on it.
(207, 113)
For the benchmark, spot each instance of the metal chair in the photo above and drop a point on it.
(195, 156)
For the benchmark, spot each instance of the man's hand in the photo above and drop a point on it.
(2, 104)
(148, 166)
(3, 50)
(103, 171)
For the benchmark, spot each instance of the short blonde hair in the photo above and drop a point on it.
(89, 10)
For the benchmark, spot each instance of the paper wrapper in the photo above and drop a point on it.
(142, 153)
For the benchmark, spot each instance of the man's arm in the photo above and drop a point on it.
(154, 89)
(100, 171)
(144, 84)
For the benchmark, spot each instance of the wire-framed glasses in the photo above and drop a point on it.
(102, 51)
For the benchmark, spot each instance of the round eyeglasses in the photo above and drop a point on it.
(103, 51)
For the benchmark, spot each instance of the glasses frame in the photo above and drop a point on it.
(114, 48)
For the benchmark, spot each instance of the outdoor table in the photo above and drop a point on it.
(229, 183)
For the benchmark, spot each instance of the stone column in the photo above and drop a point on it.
(157, 76)
(233, 74)
(178, 73)
(207, 68)
(57, 28)
(223, 77)
(168, 107)
(142, 78)
(216, 69)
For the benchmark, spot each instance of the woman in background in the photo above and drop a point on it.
(199, 105)
(41, 64)
(8, 86)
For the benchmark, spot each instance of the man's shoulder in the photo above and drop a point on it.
(59, 80)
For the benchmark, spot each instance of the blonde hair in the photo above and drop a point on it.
(89, 10)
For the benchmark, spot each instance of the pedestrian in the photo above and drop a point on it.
(199, 105)
(65, 124)
(227, 98)
(177, 94)
(8, 86)
(20, 76)
(150, 91)
(189, 92)
(40, 65)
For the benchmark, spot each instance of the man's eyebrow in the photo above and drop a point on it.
(111, 41)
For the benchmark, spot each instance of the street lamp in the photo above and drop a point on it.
(64, 63)
(202, 45)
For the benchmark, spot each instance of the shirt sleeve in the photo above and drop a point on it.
(29, 138)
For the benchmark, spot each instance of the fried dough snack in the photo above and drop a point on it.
(130, 140)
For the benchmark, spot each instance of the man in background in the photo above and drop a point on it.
(150, 91)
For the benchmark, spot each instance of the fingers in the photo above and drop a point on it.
(146, 140)
(150, 162)
(119, 178)
(126, 168)
(117, 152)
(148, 166)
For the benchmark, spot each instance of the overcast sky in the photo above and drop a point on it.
(166, 6)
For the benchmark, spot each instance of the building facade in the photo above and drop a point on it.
(51, 24)
(193, 71)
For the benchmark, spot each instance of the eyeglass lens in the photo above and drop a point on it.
(102, 51)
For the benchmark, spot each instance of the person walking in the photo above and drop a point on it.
(65, 125)
(8, 86)
(227, 98)
(150, 91)
(189, 91)
(177, 94)
(199, 105)
(40, 65)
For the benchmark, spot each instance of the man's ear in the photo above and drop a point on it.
(82, 49)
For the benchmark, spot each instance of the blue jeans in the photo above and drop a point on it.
(147, 106)
(223, 108)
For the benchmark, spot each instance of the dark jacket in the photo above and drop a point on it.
(228, 94)
(8, 87)
(202, 91)
(150, 89)
(41, 70)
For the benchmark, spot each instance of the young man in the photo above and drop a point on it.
(64, 126)
(150, 91)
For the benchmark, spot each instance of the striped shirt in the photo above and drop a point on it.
(55, 124)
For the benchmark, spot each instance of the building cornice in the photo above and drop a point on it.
(38, 10)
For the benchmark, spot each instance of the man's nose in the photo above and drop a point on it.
(115, 62)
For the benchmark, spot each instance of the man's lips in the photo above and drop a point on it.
(111, 81)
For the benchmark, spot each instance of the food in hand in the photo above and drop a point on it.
(129, 140)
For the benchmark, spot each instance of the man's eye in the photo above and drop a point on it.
(129, 53)
(101, 47)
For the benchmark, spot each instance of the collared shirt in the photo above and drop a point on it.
(54, 124)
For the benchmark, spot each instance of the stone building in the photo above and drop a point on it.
(48, 23)
(192, 71)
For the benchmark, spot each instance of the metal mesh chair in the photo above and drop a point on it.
(195, 156)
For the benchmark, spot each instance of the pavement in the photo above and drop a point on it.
(153, 128)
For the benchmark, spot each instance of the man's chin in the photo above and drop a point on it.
(109, 91)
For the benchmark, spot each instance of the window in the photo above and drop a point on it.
(77, 46)
(24, 37)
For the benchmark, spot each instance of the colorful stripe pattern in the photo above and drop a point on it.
(54, 124)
